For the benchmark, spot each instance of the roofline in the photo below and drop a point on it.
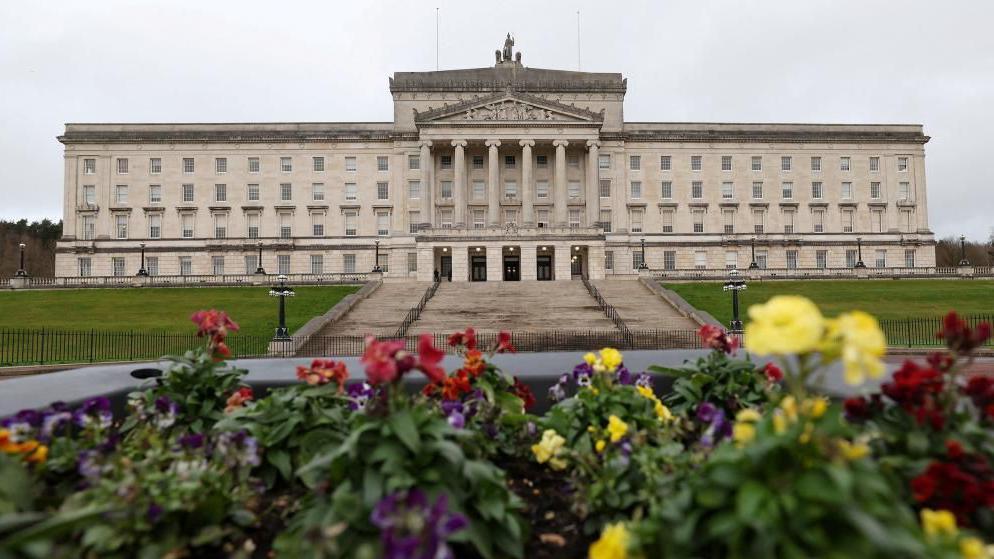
(713, 123)
(255, 123)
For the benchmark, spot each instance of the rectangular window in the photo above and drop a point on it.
(185, 266)
(317, 224)
(445, 191)
(877, 221)
(121, 226)
(757, 163)
(154, 226)
(317, 263)
(909, 258)
(217, 265)
(787, 190)
(477, 161)
(220, 165)
(757, 189)
(286, 225)
(816, 190)
(445, 162)
(117, 265)
(818, 221)
(154, 166)
(511, 216)
(604, 188)
(220, 193)
(875, 190)
(317, 163)
(511, 190)
(188, 167)
(445, 218)
(412, 262)
(697, 189)
(90, 195)
(509, 161)
(636, 191)
(665, 191)
(821, 259)
(605, 220)
(844, 164)
(87, 226)
(788, 222)
(665, 163)
(726, 162)
(382, 223)
(635, 162)
(816, 164)
(382, 163)
(350, 164)
(89, 168)
(413, 190)
(252, 225)
(122, 166)
(847, 221)
(573, 160)
(846, 190)
(731, 259)
(383, 261)
(283, 264)
(253, 165)
(414, 162)
(542, 161)
(479, 219)
(542, 218)
(253, 192)
(220, 226)
(637, 259)
(573, 189)
(351, 223)
(121, 195)
(636, 220)
(154, 194)
(479, 190)
(874, 164)
(880, 259)
(792, 259)
(903, 190)
(382, 190)
(698, 220)
(317, 191)
(761, 258)
(758, 221)
(604, 161)
(348, 263)
(696, 163)
(286, 192)
(574, 219)
(906, 222)
(152, 265)
(608, 259)
(286, 164)
(669, 260)
(188, 193)
(785, 163)
(413, 221)
(700, 259)
(728, 221)
(251, 263)
(667, 221)
(352, 191)
(902, 164)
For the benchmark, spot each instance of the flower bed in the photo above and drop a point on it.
(735, 460)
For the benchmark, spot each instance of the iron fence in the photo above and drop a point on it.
(923, 331)
(188, 280)
(686, 274)
(606, 307)
(415, 312)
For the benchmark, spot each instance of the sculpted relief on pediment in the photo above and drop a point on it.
(510, 110)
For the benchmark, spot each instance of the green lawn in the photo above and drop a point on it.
(161, 309)
(884, 299)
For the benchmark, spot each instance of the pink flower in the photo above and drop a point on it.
(504, 343)
(429, 358)
(215, 325)
(716, 338)
(467, 338)
(238, 399)
(772, 372)
(384, 360)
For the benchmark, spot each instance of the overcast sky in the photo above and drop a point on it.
(837, 61)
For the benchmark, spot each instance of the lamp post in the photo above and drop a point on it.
(735, 284)
(21, 272)
(643, 265)
(376, 265)
(753, 265)
(259, 269)
(859, 253)
(142, 272)
(281, 291)
(962, 252)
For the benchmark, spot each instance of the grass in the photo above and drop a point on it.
(885, 299)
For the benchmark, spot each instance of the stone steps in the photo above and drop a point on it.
(640, 308)
(381, 313)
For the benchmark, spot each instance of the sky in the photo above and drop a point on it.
(834, 61)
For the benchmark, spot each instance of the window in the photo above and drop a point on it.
(509, 161)
(253, 192)
(665, 190)
(414, 162)
(874, 164)
(220, 226)
(635, 162)
(609, 260)
(511, 190)
(317, 191)
(726, 162)
(121, 195)
(188, 168)
(382, 190)
(286, 165)
(605, 220)
(413, 221)
(816, 164)
(665, 163)
(728, 221)
(317, 224)
(697, 189)
(542, 190)
(636, 220)
(909, 258)
(251, 263)
(761, 258)
(542, 161)
(757, 163)
(154, 194)
(445, 218)
(121, 226)
(818, 221)
(185, 265)
(477, 161)
(846, 190)
(152, 265)
(542, 218)
(286, 226)
(252, 225)
(636, 189)
(220, 193)
(875, 190)
(412, 262)
(604, 188)
(122, 166)
(220, 165)
(479, 191)
(821, 259)
(669, 260)
(903, 190)
(89, 168)
(604, 161)
(902, 164)
(283, 264)
(844, 164)
(383, 261)
(906, 222)
(351, 223)
(637, 259)
(188, 193)
(880, 258)
(667, 221)
(787, 190)
(286, 192)
(90, 195)
(350, 164)
(758, 221)
(117, 265)
(698, 220)
(87, 227)
(444, 161)
(757, 189)
(317, 163)
(445, 191)
(352, 191)
(788, 222)
(847, 221)
(573, 160)
(731, 259)
(816, 190)
(317, 264)
(700, 259)
(792, 259)
(217, 265)
(695, 163)
(785, 163)
(877, 221)
(574, 219)
(253, 165)
(413, 190)
(511, 216)
(348, 263)
(573, 189)
(479, 219)
(154, 226)
(382, 163)
(154, 166)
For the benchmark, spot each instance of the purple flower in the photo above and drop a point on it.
(165, 412)
(706, 412)
(531, 428)
(582, 374)
(359, 395)
(623, 376)
(88, 464)
(52, 422)
(557, 392)
(154, 513)
(456, 420)
(717, 427)
(237, 449)
(191, 441)
(411, 528)
(23, 425)
(643, 379)
(94, 412)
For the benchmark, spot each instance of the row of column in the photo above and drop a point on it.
(527, 192)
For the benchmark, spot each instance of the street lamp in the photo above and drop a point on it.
(735, 284)
(859, 253)
(281, 291)
(376, 266)
(259, 269)
(962, 252)
(21, 272)
(142, 272)
(643, 265)
(753, 265)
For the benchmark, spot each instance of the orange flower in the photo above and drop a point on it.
(238, 399)
(323, 371)
(456, 385)
(4, 440)
(39, 455)
(474, 363)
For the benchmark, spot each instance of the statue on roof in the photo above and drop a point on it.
(508, 44)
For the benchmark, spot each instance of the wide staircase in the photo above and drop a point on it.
(640, 308)
(381, 313)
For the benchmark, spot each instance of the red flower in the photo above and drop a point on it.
(453, 387)
(523, 391)
(467, 339)
(238, 399)
(716, 338)
(922, 488)
(961, 485)
(960, 337)
(215, 325)
(953, 449)
(324, 371)
(385, 361)
(504, 343)
(940, 360)
(772, 372)
(474, 363)
(429, 358)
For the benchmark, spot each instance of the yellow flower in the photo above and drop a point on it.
(590, 358)
(39, 455)
(779, 422)
(613, 543)
(784, 325)
(853, 451)
(743, 433)
(617, 428)
(936, 522)
(646, 392)
(599, 445)
(748, 414)
(805, 437)
(815, 407)
(972, 548)
(611, 358)
(789, 407)
(549, 449)
(856, 338)
(663, 413)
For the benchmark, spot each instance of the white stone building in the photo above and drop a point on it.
(498, 173)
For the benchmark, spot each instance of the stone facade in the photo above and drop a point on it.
(502, 172)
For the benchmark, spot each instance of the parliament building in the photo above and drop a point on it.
(502, 173)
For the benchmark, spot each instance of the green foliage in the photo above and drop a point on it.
(730, 384)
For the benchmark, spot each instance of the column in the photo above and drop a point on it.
(459, 183)
(529, 268)
(527, 188)
(593, 183)
(427, 188)
(562, 262)
(460, 263)
(493, 186)
(495, 262)
(559, 212)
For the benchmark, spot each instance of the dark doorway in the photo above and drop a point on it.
(544, 267)
(512, 268)
(478, 270)
(576, 266)
(447, 267)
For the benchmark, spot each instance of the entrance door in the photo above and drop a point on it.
(447, 268)
(512, 268)
(576, 266)
(544, 265)
(478, 270)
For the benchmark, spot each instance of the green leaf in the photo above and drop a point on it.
(749, 499)
(280, 459)
(402, 425)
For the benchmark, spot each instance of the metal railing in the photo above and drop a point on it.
(923, 331)
(819, 273)
(606, 307)
(187, 280)
(415, 312)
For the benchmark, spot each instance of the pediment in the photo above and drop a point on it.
(508, 107)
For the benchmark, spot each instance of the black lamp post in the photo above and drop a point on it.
(859, 253)
(962, 252)
(643, 265)
(142, 272)
(376, 265)
(735, 284)
(259, 269)
(21, 272)
(753, 265)
(281, 291)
